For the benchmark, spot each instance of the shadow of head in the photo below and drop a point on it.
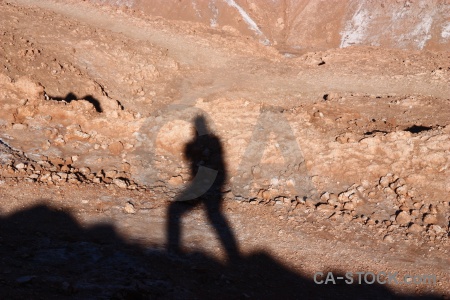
(201, 125)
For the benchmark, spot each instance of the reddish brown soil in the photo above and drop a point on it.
(337, 161)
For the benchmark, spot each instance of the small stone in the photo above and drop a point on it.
(111, 174)
(325, 196)
(129, 208)
(388, 238)
(176, 180)
(85, 170)
(415, 228)
(433, 209)
(384, 181)
(349, 206)
(403, 218)
(438, 229)
(404, 208)
(45, 177)
(415, 213)
(19, 126)
(333, 198)
(65, 169)
(424, 209)
(417, 205)
(318, 114)
(401, 190)
(370, 222)
(310, 203)
(365, 184)
(62, 175)
(430, 219)
(120, 183)
(115, 148)
(20, 166)
(73, 181)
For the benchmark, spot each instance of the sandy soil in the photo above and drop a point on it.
(334, 161)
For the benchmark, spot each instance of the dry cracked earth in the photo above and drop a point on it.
(330, 161)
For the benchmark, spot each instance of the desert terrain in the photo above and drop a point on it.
(333, 156)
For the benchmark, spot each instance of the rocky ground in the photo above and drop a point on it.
(336, 160)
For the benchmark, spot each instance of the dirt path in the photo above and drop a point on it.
(305, 248)
(233, 69)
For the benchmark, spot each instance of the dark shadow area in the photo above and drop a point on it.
(46, 254)
(72, 97)
(418, 128)
(204, 151)
(375, 131)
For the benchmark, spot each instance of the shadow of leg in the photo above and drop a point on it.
(174, 215)
(222, 228)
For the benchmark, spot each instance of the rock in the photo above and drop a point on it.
(318, 114)
(115, 148)
(403, 218)
(129, 208)
(325, 196)
(65, 169)
(62, 175)
(433, 209)
(414, 228)
(310, 203)
(402, 190)
(424, 209)
(438, 229)
(19, 126)
(349, 206)
(430, 219)
(333, 199)
(111, 174)
(388, 238)
(371, 221)
(384, 181)
(20, 166)
(84, 170)
(415, 213)
(120, 183)
(404, 208)
(176, 180)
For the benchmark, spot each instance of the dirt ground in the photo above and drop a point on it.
(329, 161)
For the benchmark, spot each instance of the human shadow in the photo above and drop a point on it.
(208, 174)
(72, 97)
(45, 253)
